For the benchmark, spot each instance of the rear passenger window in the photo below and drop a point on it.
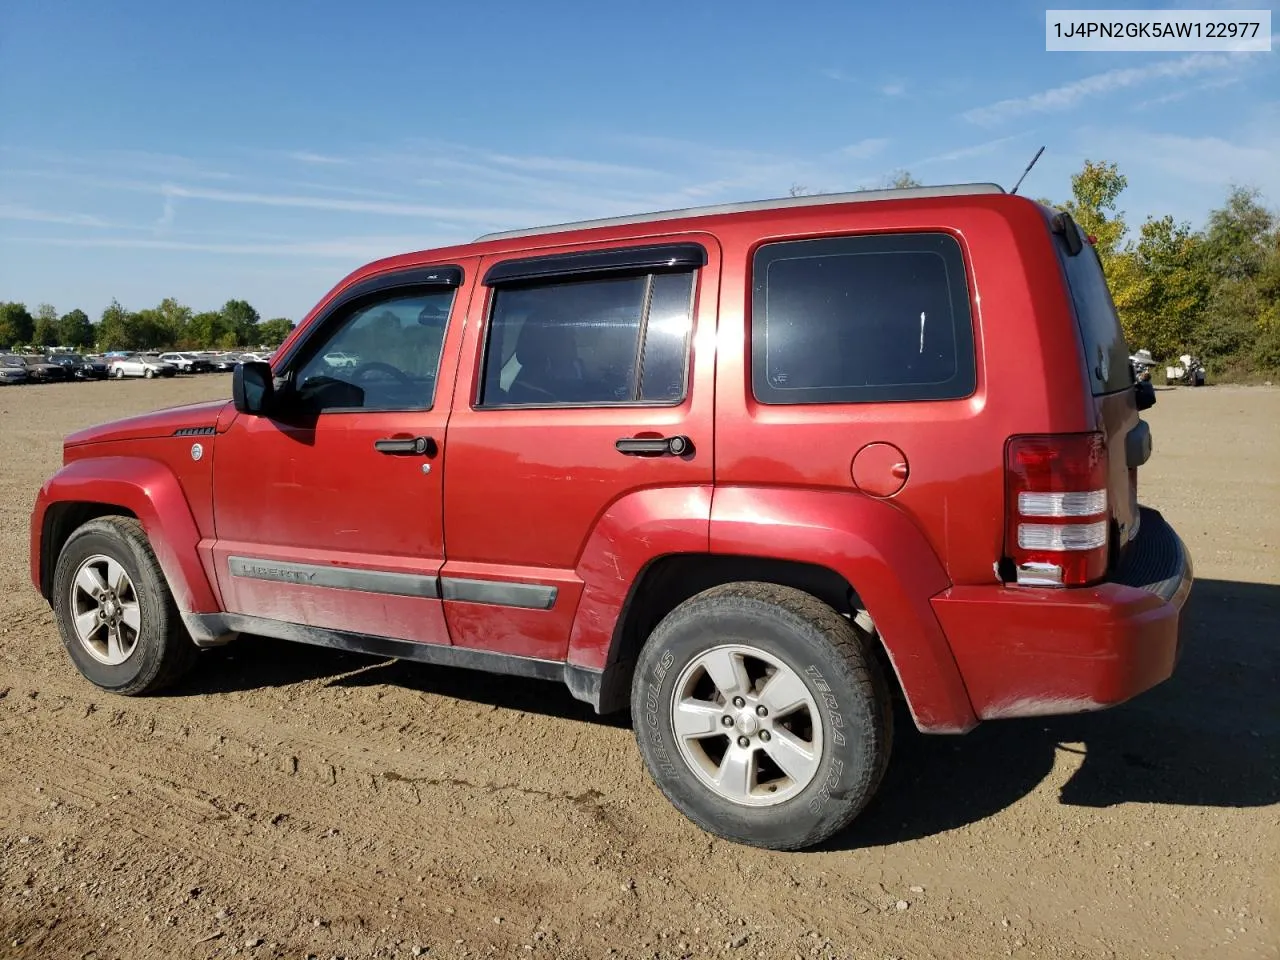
(860, 320)
(589, 342)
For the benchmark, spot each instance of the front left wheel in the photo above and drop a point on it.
(115, 613)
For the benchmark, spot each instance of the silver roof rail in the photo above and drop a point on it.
(814, 200)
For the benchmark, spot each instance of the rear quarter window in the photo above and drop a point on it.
(861, 319)
(1105, 349)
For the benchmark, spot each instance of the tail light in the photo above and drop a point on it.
(1058, 521)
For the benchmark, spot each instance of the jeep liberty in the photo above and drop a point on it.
(754, 471)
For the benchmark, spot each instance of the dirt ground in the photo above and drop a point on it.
(291, 801)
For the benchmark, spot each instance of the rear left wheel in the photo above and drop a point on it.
(762, 715)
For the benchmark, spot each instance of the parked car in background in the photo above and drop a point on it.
(187, 362)
(225, 361)
(80, 368)
(340, 359)
(12, 370)
(141, 366)
(40, 370)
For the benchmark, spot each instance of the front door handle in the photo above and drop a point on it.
(679, 446)
(422, 446)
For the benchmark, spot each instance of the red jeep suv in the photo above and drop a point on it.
(752, 470)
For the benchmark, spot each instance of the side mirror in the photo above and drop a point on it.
(252, 389)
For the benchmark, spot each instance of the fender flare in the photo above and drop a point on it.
(888, 561)
(874, 546)
(151, 492)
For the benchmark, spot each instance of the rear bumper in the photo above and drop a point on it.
(1034, 652)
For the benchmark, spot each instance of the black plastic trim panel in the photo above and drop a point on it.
(195, 431)
(1156, 560)
(595, 263)
(214, 628)
(340, 578)
(529, 596)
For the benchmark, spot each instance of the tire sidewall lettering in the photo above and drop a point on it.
(830, 783)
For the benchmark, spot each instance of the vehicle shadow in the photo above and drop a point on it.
(252, 663)
(1209, 736)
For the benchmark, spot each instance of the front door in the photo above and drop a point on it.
(328, 511)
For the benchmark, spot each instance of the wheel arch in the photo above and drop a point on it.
(850, 551)
(146, 490)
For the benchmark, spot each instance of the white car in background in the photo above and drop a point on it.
(140, 366)
(340, 358)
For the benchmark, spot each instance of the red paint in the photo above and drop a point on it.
(871, 543)
(1021, 650)
(906, 501)
(149, 490)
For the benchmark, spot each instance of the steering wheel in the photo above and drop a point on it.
(372, 365)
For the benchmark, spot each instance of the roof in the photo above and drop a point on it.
(821, 199)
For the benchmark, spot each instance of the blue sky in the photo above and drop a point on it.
(263, 149)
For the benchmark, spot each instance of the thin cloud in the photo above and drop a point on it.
(865, 149)
(836, 74)
(10, 211)
(306, 156)
(567, 165)
(963, 153)
(894, 89)
(167, 215)
(1070, 94)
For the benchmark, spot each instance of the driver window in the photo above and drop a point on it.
(382, 356)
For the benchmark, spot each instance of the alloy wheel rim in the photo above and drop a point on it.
(105, 612)
(747, 725)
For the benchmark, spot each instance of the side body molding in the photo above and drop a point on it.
(884, 557)
(149, 490)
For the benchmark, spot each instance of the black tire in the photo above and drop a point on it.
(835, 664)
(164, 651)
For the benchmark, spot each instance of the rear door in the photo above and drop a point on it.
(586, 394)
(1111, 381)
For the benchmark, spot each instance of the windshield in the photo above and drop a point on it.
(11, 362)
(69, 358)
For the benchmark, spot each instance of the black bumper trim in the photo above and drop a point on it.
(1156, 560)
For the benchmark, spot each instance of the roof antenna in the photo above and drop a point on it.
(1026, 171)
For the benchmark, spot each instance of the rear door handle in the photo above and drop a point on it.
(679, 446)
(422, 446)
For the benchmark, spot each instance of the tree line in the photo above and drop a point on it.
(170, 325)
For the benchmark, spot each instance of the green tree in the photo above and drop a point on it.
(75, 330)
(1163, 287)
(243, 320)
(274, 331)
(150, 331)
(1094, 191)
(901, 180)
(173, 318)
(118, 328)
(209, 329)
(45, 330)
(16, 325)
(1239, 250)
